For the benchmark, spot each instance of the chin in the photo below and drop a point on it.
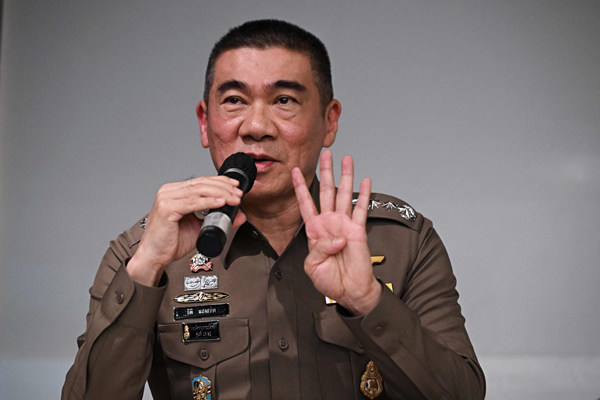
(262, 191)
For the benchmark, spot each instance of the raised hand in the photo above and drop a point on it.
(338, 262)
(172, 228)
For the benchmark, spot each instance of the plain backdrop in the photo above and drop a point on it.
(483, 115)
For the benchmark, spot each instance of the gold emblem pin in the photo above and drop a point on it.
(377, 259)
(371, 383)
(186, 332)
(202, 388)
(200, 297)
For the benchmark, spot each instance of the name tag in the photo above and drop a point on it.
(203, 311)
(200, 331)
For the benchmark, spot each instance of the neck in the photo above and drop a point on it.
(277, 220)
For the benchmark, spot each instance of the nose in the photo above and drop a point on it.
(257, 123)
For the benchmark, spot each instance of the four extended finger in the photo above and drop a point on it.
(344, 194)
(359, 215)
(327, 189)
(305, 201)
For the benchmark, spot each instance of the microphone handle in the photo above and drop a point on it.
(217, 224)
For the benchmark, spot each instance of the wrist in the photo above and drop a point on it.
(368, 302)
(142, 272)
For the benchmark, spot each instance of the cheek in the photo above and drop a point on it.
(222, 130)
(306, 133)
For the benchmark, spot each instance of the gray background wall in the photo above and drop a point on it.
(485, 116)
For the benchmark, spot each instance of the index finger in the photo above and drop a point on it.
(305, 201)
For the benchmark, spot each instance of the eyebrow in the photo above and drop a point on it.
(232, 84)
(280, 84)
(285, 84)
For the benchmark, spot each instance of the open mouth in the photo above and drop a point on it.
(262, 163)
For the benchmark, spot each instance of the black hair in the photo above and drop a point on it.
(265, 33)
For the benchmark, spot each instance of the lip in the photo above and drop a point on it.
(262, 161)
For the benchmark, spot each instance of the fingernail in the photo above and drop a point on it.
(234, 182)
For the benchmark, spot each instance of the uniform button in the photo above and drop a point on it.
(204, 355)
(278, 273)
(378, 331)
(254, 235)
(283, 345)
(120, 297)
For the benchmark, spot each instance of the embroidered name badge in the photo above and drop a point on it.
(200, 331)
(203, 311)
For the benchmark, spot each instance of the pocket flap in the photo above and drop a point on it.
(234, 340)
(331, 329)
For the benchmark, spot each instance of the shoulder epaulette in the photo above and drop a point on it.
(390, 207)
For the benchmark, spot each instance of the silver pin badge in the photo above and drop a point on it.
(390, 206)
(143, 222)
(373, 204)
(407, 213)
(202, 282)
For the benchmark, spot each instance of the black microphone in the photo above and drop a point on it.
(217, 224)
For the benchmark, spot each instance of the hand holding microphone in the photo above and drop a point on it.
(172, 228)
(217, 224)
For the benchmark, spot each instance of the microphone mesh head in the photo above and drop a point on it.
(241, 161)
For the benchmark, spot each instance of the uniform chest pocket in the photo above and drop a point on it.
(225, 362)
(331, 329)
(340, 357)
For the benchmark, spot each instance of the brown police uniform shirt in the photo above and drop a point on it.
(281, 340)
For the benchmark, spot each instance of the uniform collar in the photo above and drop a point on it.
(314, 192)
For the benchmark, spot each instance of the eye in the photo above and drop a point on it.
(233, 100)
(284, 100)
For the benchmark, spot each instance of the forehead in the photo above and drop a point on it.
(260, 67)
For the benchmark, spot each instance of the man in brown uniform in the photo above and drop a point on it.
(317, 294)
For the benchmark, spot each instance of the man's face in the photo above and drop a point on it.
(265, 103)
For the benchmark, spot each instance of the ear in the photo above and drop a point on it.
(201, 112)
(332, 115)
